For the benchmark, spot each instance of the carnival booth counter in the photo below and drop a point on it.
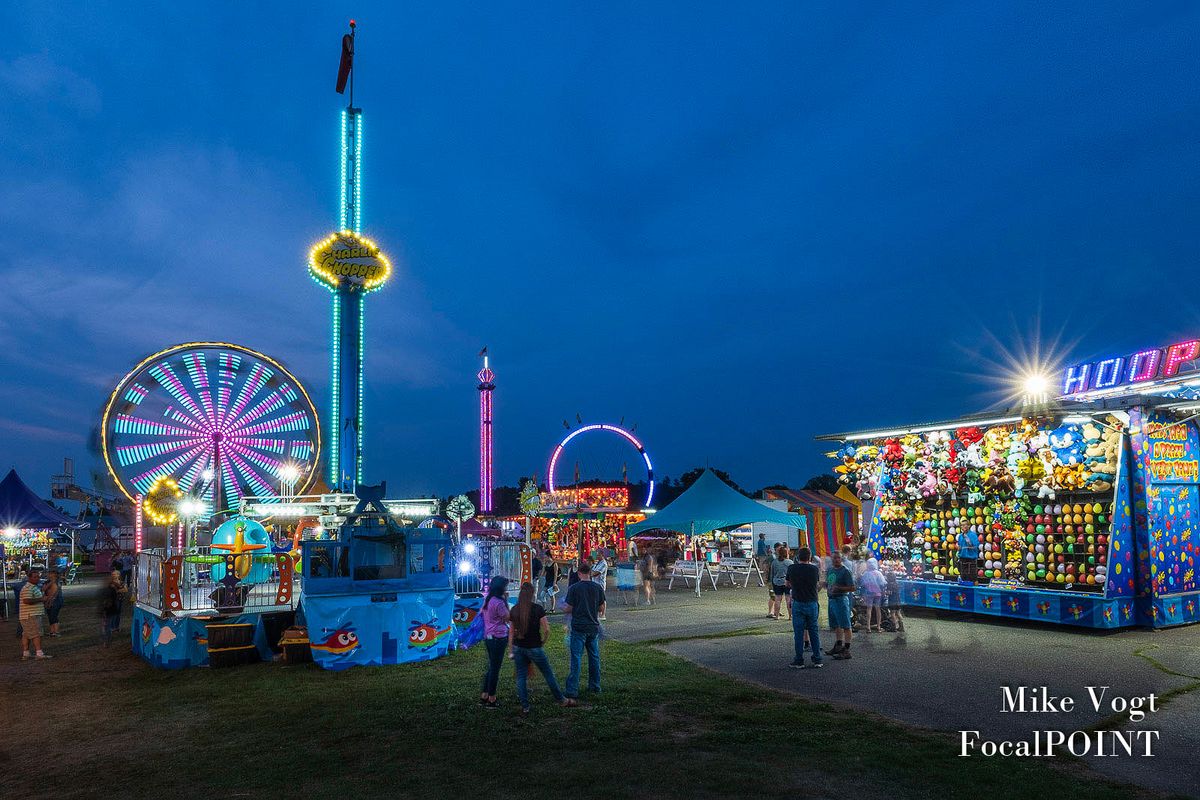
(1085, 509)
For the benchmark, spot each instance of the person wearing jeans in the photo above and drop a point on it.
(495, 638)
(530, 629)
(585, 603)
(802, 578)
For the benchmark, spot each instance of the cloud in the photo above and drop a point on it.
(37, 77)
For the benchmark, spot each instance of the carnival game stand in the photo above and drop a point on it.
(1084, 519)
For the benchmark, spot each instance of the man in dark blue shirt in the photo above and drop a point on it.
(968, 555)
(585, 603)
(803, 577)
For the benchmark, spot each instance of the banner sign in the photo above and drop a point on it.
(1140, 367)
(388, 628)
(348, 258)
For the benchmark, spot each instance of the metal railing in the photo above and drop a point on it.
(190, 584)
(478, 562)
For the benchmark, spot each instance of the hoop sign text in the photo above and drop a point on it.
(351, 258)
(1145, 365)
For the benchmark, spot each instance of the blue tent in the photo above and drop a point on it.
(710, 504)
(20, 508)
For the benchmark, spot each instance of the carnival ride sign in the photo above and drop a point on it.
(347, 259)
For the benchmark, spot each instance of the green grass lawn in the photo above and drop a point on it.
(101, 722)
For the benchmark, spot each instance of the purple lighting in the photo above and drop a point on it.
(487, 384)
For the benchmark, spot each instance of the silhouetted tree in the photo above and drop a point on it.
(692, 475)
(823, 482)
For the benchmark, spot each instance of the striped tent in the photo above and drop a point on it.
(832, 521)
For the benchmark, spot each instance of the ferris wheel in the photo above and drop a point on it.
(605, 428)
(221, 420)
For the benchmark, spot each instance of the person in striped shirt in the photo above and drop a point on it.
(31, 615)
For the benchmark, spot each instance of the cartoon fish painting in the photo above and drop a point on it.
(165, 635)
(425, 634)
(464, 615)
(200, 639)
(146, 631)
(341, 642)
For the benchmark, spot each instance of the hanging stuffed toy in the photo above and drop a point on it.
(968, 436)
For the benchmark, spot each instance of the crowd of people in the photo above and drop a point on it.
(40, 603)
(859, 597)
(522, 631)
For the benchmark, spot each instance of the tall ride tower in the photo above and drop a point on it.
(487, 384)
(350, 266)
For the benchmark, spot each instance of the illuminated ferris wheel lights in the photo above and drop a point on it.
(194, 410)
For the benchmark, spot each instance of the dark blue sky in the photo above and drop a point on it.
(738, 228)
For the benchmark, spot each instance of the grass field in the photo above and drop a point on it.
(97, 722)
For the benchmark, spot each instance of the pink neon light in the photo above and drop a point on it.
(602, 427)
(1178, 354)
(487, 384)
(1144, 365)
(137, 524)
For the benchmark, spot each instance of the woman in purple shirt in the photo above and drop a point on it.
(495, 637)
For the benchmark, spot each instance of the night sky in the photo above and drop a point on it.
(737, 227)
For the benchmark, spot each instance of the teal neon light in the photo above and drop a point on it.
(335, 416)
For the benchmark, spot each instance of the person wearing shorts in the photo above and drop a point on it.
(779, 589)
(31, 614)
(873, 584)
(839, 585)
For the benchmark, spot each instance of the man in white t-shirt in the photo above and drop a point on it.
(600, 573)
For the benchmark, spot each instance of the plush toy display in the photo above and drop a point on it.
(1038, 497)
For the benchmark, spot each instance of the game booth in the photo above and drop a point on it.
(832, 521)
(591, 517)
(1085, 505)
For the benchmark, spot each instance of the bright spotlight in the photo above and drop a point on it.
(469, 548)
(191, 508)
(289, 473)
(464, 567)
(1035, 389)
(11, 532)
(1037, 384)
(207, 474)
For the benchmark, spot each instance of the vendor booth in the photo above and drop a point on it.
(27, 531)
(832, 522)
(709, 505)
(1083, 509)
